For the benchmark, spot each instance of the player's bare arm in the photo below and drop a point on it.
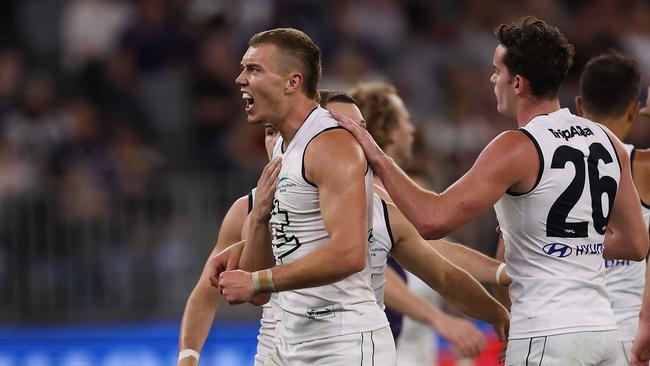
(641, 176)
(462, 334)
(501, 293)
(510, 161)
(399, 297)
(336, 165)
(454, 284)
(480, 266)
(203, 301)
(641, 345)
(334, 162)
(477, 264)
(257, 253)
(626, 236)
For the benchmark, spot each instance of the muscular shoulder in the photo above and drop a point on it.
(335, 141)
(231, 227)
(509, 147)
(333, 151)
(512, 142)
(511, 159)
(241, 206)
(641, 173)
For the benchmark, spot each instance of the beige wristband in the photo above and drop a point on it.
(263, 281)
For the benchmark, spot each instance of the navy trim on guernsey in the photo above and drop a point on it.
(530, 361)
(530, 344)
(618, 159)
(303, 123)
(373, 347)
(250, 201)
(361, 348)
(627, 358)
(387, 219)
(543, 351)
(305, 150)
(395, 319)
(541, 165)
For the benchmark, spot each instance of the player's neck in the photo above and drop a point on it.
(527, 109)
(618, 126)
(298, 112)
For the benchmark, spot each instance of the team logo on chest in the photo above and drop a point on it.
(283, 242)
(285, 183)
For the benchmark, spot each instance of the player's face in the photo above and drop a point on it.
(348, 109)
(261, 83)
(401, 136)
(503, 84)
(270, 137)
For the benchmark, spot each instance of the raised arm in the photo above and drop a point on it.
(334, 162)
(202, 303)
(480, 266)
(510, 161)
(462, 334)
(451, 282)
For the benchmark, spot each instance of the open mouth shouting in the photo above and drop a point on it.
(250, 102)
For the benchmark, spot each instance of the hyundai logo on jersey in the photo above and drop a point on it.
(558, 250)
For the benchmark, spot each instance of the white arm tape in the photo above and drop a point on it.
(188, 352)
(498, 274)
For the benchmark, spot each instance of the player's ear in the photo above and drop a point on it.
(519, 83)
(294, 82)
(580, 107)
(633, 111)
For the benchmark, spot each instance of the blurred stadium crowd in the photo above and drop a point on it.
(123, 139)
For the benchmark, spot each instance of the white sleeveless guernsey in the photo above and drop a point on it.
(554, 234)
(625, 280)
(344, 307)
(380, 241)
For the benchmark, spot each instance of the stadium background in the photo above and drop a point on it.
(123, 142)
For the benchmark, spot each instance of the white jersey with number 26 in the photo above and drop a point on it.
(554, 234)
